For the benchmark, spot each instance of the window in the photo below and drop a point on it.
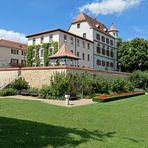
(103, 63)
(107, 40)
(83, 56)
(97, 36)
(107, 64)
(14, 51)
(88, 57)
(42, 53)
(14, 61)
(71, 40)
(98, 49)
(34, 41)
(107, 52)
(72, 51)
(78, 25)
(42, 39)
(111, 42)
(83, 44)
(65, 38)
(103, 39)
(78, 43)
(88, 45)
(98, 62)
(111, 64)
(78, 54)
(23, 62)
(84, 35)
(22, 52)
(103, 50)
(112, 53)
(50, 37)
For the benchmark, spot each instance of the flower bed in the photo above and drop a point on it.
(113, 97)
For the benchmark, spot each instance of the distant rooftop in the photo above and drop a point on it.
(12, 44)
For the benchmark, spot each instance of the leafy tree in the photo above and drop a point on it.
(133, 55)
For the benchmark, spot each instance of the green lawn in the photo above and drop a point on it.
(122, 123)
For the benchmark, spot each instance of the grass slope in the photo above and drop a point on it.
(122, 123)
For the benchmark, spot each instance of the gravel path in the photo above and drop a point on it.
(74, 103)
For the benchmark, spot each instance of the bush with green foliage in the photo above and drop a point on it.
(116, 85)
(45, 92)
(8, 92)
(19, 84)
(140, 78)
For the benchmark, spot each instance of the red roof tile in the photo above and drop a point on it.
(94, 23)
(64, 51)
(12, 44)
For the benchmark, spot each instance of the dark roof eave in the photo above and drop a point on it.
(55, 30)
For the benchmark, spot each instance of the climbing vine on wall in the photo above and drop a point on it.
(37, 62)
(46, 53)
(29, 57)
(55, 45)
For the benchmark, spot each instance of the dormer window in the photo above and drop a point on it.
(84, 35)
(78, 25)
(97, 26)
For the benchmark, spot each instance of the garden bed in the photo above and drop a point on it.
(113, 97)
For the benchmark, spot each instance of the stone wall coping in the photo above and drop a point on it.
(9, 69)
(63, 67)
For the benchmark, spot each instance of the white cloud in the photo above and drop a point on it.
(13, 36)
(109, 6)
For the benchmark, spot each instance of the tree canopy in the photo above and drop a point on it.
(133, 55)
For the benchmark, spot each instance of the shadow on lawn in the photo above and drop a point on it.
(22, 133)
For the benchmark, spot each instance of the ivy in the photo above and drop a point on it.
(37, 55)
(29, 57)
(55, 45)
(46, 54)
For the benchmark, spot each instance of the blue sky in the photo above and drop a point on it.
(22, 17)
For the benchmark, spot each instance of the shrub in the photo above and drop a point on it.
(117, 85)
(59, 85)
(129, 86)
(44, 92)
(19, 84)
(100, 85)
(140, 79)
(8, 92)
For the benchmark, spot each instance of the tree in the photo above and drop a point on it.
(133, 55)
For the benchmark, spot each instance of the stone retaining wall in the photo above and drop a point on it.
(39, 76)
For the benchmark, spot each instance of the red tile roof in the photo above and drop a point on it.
(94, 23)
(12, 44)
(64, 51)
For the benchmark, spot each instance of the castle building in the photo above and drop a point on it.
(12, 54)
(87, 38)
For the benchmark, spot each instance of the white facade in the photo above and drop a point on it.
(82, 48)
(12, 57)
(88, 39)
(108, 51)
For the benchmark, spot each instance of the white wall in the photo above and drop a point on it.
(84, 28)
(6, 56)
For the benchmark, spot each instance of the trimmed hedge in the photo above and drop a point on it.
(97, 99)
